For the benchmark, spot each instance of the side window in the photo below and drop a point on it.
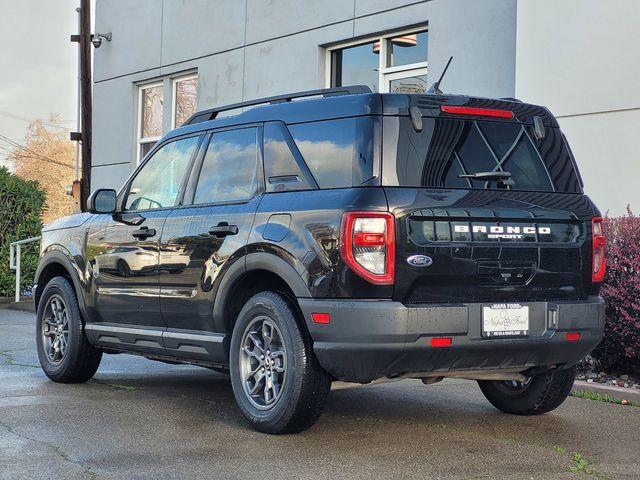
(339, 153)
(281, 168)
(229, 170)
(157, 184)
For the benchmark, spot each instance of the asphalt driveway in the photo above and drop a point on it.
(144, 419)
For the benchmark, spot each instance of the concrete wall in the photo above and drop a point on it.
(581, 58)
(244, 49)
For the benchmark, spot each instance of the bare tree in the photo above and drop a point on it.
(47, 156)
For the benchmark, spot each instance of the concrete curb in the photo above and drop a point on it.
(23, 306)
(620, 393)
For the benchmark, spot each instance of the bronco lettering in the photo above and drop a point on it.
(498, 231)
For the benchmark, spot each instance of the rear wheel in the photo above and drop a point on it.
(64, 352)
(277, 381)
(539, 394)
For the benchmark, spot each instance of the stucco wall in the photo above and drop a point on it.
(581, 58)
(253, 48)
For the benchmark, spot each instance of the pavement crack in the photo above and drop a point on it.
(9, 360)
(118, 386)
(57, 449)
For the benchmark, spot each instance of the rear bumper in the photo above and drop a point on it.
(370, 339)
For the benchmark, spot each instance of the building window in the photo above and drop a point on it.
(185, 99)
(395, 63)
(151, 112)
(153, 119)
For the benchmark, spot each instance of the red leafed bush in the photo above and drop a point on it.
(619, 351)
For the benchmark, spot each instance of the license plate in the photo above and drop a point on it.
(505, 320)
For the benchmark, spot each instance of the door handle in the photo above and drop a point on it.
(223, 229)
(144, 232)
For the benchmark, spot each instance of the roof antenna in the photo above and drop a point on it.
(435, 88)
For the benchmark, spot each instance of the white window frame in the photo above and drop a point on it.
(169, 86)
(140, 138)
(174, 91)
(385, 73)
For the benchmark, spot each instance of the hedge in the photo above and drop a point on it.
(21, 205)
(619, 351)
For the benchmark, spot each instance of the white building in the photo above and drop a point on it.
(581, 58)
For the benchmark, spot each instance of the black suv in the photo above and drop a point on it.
(337, 235)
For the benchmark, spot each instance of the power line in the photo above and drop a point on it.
(22, 147)
(34, 155)
(26, 119)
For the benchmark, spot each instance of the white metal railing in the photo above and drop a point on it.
(14, 260)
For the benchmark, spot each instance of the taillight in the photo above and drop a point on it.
(598, 264)
(368, 245)
(483, 112)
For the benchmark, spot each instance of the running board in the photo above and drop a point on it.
(179, 345)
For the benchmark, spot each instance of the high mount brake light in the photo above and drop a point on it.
(598, 264)
(482, 112)
(368, 245)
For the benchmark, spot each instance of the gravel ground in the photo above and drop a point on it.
(143, 419)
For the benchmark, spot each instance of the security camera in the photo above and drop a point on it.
(96, 38)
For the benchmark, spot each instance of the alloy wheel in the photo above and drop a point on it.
(55, 329)
(263, 362)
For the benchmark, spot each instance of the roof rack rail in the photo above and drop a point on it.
(212, 113)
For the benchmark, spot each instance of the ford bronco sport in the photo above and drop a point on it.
(337, 235)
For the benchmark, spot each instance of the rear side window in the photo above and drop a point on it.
(448, 148)
(283, 171)
(339, 153)
(230, 167)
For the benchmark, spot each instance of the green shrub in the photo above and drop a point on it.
(21, 205)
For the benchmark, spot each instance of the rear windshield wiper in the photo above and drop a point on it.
(501, 177)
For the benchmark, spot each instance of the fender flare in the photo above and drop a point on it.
(59, 257)
(252, 262)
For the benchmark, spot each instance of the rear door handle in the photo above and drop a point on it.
(223, 229)
(144, 232)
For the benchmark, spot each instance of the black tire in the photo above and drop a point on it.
(80, 359)
(305, 385)
(542, 393)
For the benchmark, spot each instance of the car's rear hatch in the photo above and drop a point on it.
(468, 240)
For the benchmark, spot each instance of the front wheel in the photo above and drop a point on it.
(64, 352)
(538, 395)
(277, 381)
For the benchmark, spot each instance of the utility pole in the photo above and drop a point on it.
(86, 97)
(84, 63)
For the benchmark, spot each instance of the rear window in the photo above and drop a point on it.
(447, 149)
(339, 153)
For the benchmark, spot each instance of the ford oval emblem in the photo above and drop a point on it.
(419, 260)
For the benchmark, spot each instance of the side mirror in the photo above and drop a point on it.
(102, 201)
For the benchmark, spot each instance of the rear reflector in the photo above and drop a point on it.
(572, 336)
(322, 318)
(483, 112)
(440, 342)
